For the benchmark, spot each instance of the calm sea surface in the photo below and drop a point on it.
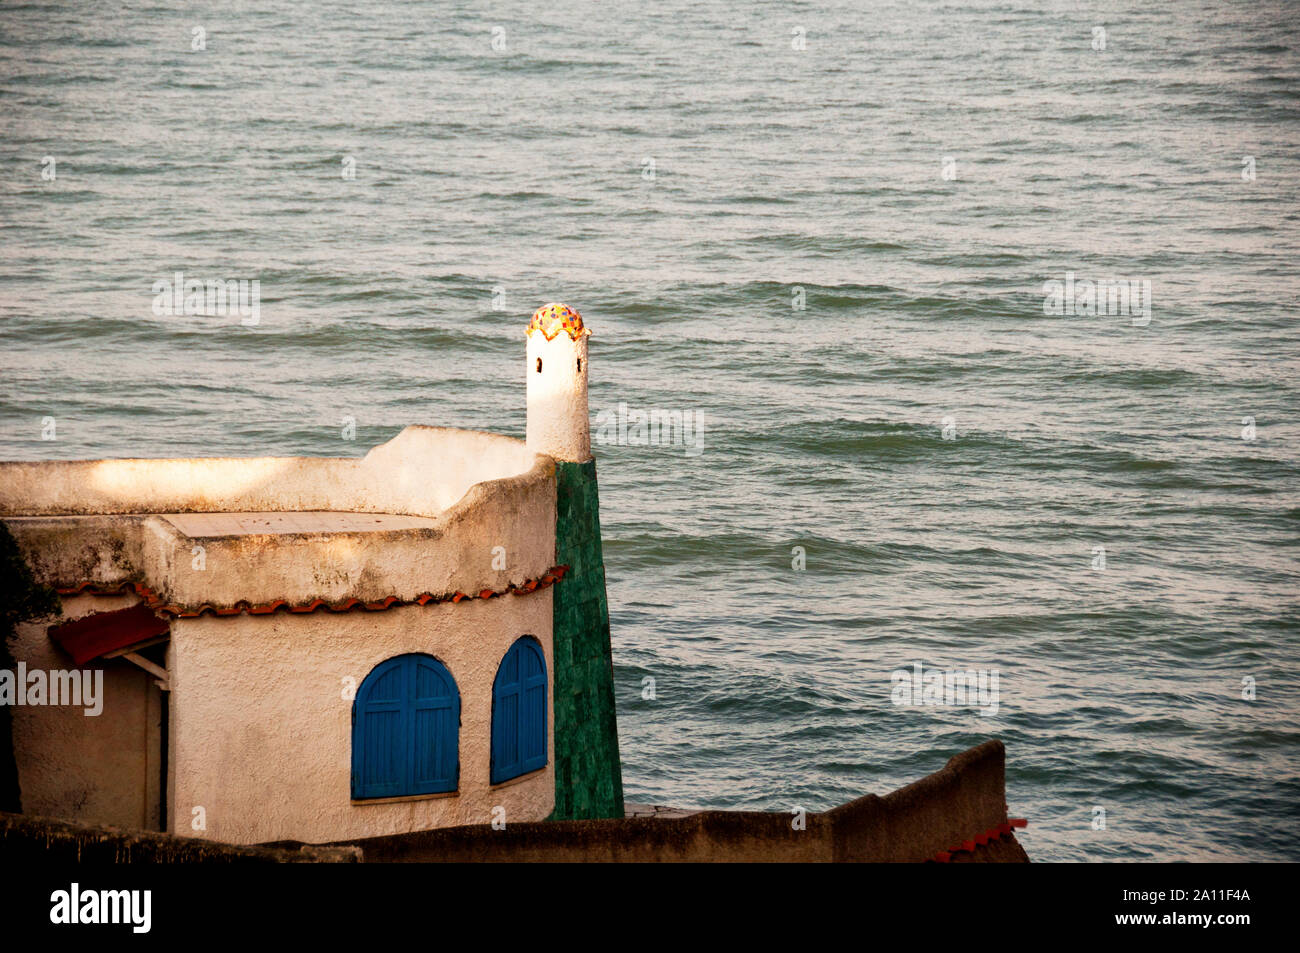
(686, 176)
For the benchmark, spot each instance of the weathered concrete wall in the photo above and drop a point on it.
(106, 768)
(516, 512)
(261, 735)
(965, 798)
(710, 836)
(27, 840)
(902, 826)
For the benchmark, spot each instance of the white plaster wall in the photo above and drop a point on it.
(558, 421)
(261, 736)
(103, 769)
(420, 472)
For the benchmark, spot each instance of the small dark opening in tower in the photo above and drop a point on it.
(579, 365)
(539, 365)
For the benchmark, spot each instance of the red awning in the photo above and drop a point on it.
(100, 633)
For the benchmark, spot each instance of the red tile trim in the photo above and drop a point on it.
(993, 833)
(150, 598)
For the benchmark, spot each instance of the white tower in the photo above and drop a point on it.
(558, 424)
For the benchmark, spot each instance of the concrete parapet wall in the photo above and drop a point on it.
(420, 472)
(26, 839)
(90, 521)
(964, 799)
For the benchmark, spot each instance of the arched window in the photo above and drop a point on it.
(519, 712)
(406, 729)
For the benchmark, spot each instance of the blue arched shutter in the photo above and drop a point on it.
(405, 731)
(519, 712)
(435, 723)
(378, 735)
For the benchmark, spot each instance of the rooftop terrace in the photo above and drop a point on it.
(418, 515)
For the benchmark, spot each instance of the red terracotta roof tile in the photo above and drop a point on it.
(99, 633)
(150, 599)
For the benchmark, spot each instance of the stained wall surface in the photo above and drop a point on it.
(104, 768)
(261, 727)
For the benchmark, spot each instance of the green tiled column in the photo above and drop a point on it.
(588, 774)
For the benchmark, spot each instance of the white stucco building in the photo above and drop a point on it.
(319, 649)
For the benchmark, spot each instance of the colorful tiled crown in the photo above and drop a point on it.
(553, 318)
